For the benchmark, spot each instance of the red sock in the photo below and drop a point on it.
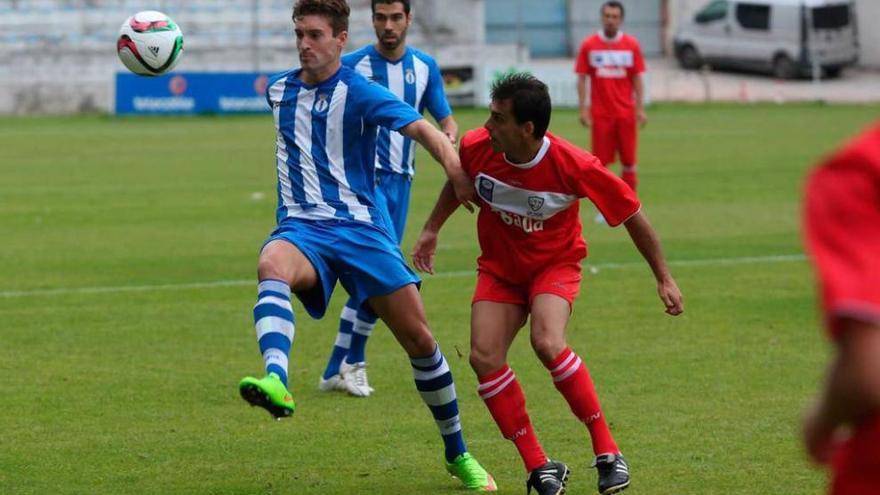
(629, 176)
(573, 381)
(507, 404)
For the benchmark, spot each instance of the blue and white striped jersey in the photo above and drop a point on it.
(325, 144)
(415, 79)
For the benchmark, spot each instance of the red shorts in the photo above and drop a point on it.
(842, 226)
(563, 280)
(614, 134)
(856, 466)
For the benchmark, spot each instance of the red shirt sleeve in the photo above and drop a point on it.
(465, 150)
(582, 62)
(590, 179)
(638, 60)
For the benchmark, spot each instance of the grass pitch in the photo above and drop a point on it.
(127, 261)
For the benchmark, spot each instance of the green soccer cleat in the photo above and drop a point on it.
(269, 393)
(466, 468)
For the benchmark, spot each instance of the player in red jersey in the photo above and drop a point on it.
(842, 226)
(529, 183)
(610, 62)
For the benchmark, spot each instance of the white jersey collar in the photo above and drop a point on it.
(534, 161)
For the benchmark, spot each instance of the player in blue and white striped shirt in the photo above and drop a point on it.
(414, 77)
(329, 227)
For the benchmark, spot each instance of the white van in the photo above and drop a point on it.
(780, 36)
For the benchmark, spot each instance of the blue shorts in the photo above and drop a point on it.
(363, 257)
(392, 198)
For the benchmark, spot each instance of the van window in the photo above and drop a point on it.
(831, 17)
(752, 16)
(715, 11)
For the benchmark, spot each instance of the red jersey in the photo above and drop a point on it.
(611, 63)
(529, 212)
(842, 225)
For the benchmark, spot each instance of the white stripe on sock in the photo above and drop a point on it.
(439, 397)
(348, 314)
(275, 356)
(449, 426)
(497, 390)
(570, 371)
(277, 301)
(269, 324)
(430, 375)
(564, 363)
(343, 340)
(362, 327)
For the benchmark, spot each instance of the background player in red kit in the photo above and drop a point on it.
(842, 224)
(611, 64)
(529, 183)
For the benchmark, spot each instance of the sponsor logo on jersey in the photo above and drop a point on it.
(410, 76)
(486, 188)
(528, 225)
(536, 202)
(612, 64)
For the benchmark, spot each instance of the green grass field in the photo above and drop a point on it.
(128, 251)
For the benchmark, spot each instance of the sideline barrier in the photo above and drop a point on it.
(191, 93)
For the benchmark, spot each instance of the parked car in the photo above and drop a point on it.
(783, 37)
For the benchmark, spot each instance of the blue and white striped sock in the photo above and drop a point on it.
(435, 384)
(343, 341)
(273, 318)
(364, 323)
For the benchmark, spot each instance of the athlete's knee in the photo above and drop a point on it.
(485, 361)
(547, 345)
(418, 341)
(271, 268)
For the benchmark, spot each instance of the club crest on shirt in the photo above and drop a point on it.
(536, 202)
(486, 189)
(322, 103)
(410, 76)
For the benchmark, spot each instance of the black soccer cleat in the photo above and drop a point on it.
(613, 473)
(549, 479)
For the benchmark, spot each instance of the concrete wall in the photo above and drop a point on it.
(868, 11)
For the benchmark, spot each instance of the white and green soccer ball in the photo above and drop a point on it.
(149, 43)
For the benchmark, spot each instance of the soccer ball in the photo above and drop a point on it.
(149, 43)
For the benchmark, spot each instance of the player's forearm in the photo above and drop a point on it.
(435, 143)
(582, 92)
(852, 387)
(639, 89)
(445, 206)
(648, 244)
(449, 127)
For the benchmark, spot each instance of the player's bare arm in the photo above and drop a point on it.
(449, 127)
(441, 149)
(426, 246)
(639, 90)
(583, 86)
(648, 244)
(851, 392)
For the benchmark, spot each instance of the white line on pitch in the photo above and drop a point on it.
(462, 273)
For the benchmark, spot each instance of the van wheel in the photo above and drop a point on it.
(832, 72)
(784, 67)
(689, 58)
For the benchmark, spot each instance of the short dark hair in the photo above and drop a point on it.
(614, 4)
(389, 2)
(335, 11)
(530, 98)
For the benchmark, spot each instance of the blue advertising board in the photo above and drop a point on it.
(191, 92)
